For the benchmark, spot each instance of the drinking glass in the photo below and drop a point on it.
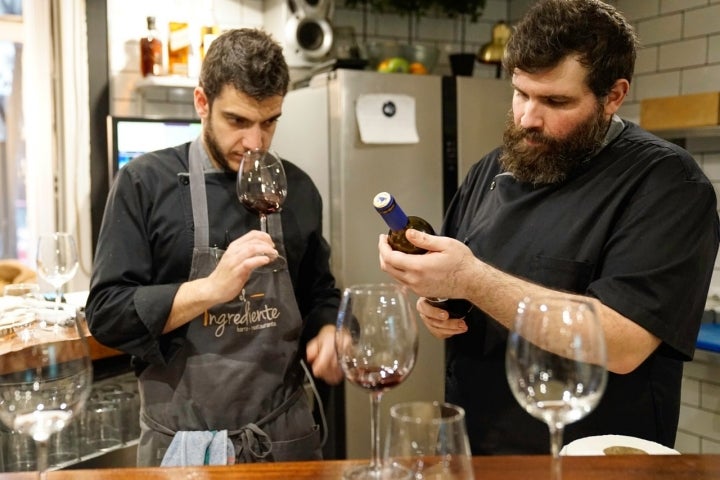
(45, 378)
(556, 363)
(57, 260)
(102, 425)
(376, 343)
(428, 441)
(262, 186)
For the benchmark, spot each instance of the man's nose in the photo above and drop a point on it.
(253, 138)
(531, 117)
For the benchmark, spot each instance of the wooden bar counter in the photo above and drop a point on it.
(625, 467)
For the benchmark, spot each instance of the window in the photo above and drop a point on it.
(14, 237)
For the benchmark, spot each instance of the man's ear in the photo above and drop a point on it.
(617, 95)
(202, 107)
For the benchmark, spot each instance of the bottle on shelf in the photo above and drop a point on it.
(179, 48)
(208, 33)
(398, 222)
(151, 50)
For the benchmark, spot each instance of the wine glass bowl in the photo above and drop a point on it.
(45, 377)
(556, 362)
(261, 183)
(376, 342)
(57, 260)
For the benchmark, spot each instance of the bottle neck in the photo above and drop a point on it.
(394, 216)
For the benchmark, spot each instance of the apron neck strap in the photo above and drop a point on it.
(197, 158)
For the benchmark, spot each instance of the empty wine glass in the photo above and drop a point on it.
(556, 363)
(45, 377)
(376, 343)
(57, 260)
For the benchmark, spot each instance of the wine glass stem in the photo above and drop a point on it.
(41, 451)
(58, 297)
(556, 439)
(263, 223)
(375, 431)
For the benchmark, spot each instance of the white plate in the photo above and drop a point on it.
(596, 445)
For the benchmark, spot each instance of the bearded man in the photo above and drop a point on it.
(177, 276)
(577, 203)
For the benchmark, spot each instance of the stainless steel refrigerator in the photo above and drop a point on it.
(357, 133)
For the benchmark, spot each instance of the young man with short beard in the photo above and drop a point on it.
(216, 342)
(577, 203)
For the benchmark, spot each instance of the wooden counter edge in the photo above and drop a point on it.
(99, 351)
(630, 467)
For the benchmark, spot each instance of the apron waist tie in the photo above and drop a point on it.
(251, 443)
(254, 443)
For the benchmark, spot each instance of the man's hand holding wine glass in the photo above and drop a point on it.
(253, 250)
(242, 256)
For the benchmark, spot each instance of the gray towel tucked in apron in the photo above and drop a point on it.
(238, 368)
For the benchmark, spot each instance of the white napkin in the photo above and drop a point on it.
(597, 445)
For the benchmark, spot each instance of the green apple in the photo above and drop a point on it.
(394, 65)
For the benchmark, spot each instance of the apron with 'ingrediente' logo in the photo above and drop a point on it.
(237, 368)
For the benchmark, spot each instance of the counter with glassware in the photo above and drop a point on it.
(43, 350)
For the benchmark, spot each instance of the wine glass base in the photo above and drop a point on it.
(368, 472)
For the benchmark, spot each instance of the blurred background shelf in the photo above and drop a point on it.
(684, 133)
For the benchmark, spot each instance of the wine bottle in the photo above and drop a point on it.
(399, 223)
(151, 50)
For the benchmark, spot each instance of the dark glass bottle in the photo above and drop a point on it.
(399, 223)
(151, 50)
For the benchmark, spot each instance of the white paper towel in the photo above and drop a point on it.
(599, 444)
(386, 118)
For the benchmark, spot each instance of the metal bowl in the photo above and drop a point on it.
(376, 52)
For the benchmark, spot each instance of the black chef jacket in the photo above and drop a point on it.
(637, 228)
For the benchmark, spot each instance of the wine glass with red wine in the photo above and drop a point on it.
(262, 186)
(376, 343)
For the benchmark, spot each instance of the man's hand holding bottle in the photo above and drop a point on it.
(399, 224)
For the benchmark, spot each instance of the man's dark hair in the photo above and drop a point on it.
(604, 42)
(247, 59)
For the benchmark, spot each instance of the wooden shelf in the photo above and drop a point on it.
(695, 132)
(166, 81)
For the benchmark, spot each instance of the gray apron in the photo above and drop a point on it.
(238, 368)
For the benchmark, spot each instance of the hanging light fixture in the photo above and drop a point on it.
(492, 52)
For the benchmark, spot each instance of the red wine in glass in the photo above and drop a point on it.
(375, 378)
(261, 203)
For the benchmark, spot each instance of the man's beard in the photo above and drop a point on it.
(550, 160)
(213, 147)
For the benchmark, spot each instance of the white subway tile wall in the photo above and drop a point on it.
(699, 426)
(686, 53)
(680, 55)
